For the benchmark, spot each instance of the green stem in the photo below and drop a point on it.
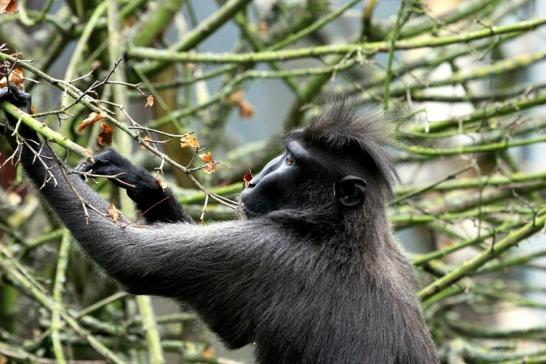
(479, 182)
(200, 33)
(155, 22)
(102, 303)
(362, 48)
(22, 279)
(470, 266)
(438, 254)
(480, 115)
(58, 284)
(495, 69)
(149, 326)
(401, 18)
(81, 46)
(43, 130)
(467, 149)
(123, 141)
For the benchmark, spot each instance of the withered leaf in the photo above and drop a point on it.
(207, 157)
(8, 6)
(149, 102)
(246, 110)
(263, 28)
(208, 353)
(189, 141)
(236, 97)
(113, 213)
(106, 134)
(210, 167)
(15, 77)
(91, 119)
(247, 177)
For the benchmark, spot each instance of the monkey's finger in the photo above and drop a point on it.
(18, 94)
(4, 92)
(84, 167)
(17, 97)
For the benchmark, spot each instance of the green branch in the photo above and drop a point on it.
(495, 69)
(438, 254)
(23, 280)
(470, 266)
(43, 130)
(501, 109)
(155, 22)
(466, 149)
(363, 48)
(58, 284)
(480, 182)
(200, 33)
(401, 19)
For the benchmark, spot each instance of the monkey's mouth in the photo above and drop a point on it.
(246, 211)
(250, 210)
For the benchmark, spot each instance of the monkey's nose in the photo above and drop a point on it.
(254, 182)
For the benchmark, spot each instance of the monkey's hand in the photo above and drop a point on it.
(17, 97)
(156, 203)
(112, 165)
(23, 101)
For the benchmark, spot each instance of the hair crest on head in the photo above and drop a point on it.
(361, 134)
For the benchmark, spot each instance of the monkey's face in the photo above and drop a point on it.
(275, 187)
(301, 178)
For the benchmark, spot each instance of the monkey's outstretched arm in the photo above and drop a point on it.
(185, 261)
(179, 260)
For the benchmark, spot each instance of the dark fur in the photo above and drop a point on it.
(320, 284)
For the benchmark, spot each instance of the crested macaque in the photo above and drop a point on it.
(312, 275)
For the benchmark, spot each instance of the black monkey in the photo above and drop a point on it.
(312, 276)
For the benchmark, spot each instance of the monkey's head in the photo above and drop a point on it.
(338, 163)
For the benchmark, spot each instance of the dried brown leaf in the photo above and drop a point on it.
(208, 353)
(189, 141)
(237, 99)
(15, 77)
(8, 6)
(207, 157)
(106, 135)
(246, 110)
(247, 177)
(149, 102)
(263, 28)
(113, 213)
(91, 119)
(210, 167)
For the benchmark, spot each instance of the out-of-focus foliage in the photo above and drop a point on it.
(459, 84)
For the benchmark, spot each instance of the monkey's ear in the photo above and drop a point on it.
(350, 191)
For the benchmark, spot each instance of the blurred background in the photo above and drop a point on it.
(460, 84)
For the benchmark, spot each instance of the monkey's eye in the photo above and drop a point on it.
(289, 160)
